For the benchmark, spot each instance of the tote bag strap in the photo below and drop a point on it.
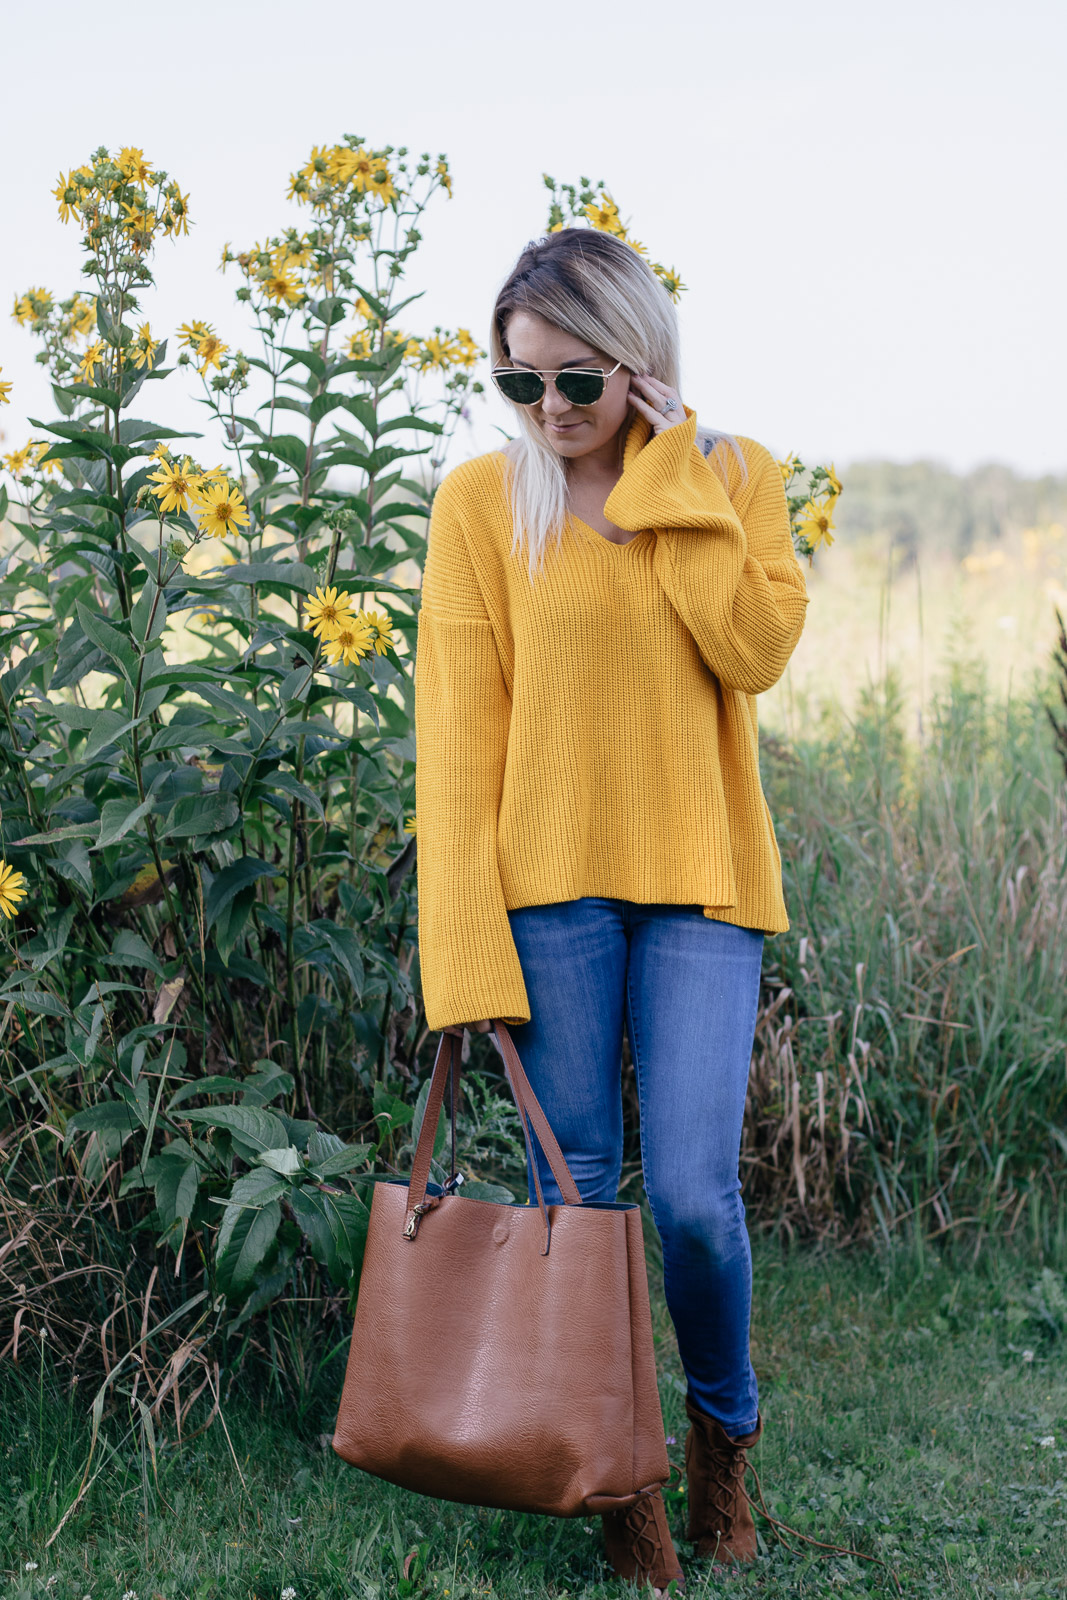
(447, 1065)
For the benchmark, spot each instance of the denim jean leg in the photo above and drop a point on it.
(573, 959)
(692, 998)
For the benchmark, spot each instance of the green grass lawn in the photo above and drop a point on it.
(915, 1408)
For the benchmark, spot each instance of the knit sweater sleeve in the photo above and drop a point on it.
(728, 566)
(467, 956)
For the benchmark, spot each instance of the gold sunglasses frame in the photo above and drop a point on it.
(554, 372)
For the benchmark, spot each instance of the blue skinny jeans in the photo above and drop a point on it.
(686, 988)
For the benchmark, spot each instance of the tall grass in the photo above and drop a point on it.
(911, 1058)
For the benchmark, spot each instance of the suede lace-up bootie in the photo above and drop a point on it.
(639, 1544)
(720, 1519)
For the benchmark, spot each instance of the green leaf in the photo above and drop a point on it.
(231, 880)
(38, 1001)
(251, 1126)
(323, 404)
(73, 862)
(106, 730)
(288, 449)
(329, 310)
(281, 576)
(148, 598)
(175, 1190)
(76, 656)
(73, 830)
(288, 784)
(91, 391)
(422, 423)
(130, 950)
(106, 1114)
(117, 817)
(197, 815)
(66, 403)
(343, 1160)
(477, 1190)
(116, 645)
(335, 1226)
(345, 947)
(286, 1162)
(230, 925)
(307, 358)
(247, 1231)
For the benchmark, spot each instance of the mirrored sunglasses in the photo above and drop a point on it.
(582, 386)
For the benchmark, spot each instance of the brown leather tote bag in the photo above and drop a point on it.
(502, 1353)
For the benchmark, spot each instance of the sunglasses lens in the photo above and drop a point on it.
(524, 388)
(580, 388)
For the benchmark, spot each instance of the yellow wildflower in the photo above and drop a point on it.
(363, 166)
(211, 350)
(381, 623)
(144, 347)
(360, 345)
(66, 192)
(175, 218)
(833, 481)
(351, 640)
(176, 486)
(635, 244)
(12, 889)
(34, 305)
(220, 510)
(294, 255)
(409, 823)
(364, 309)
(5, 391)
(137, 220)
(18, 461)
(83, 316)
(281, 286)
(341, 163)
(445, 176)
(789, 466)
(380, 181)
(604, 216)
(327, 610)
(465, 350)
(317, 162)
(436, 352)
(132, 164)
(816, 524)
(193, 332)
(91, 360)
(671, 281)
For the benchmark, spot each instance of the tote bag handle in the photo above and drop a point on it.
(448, 1065)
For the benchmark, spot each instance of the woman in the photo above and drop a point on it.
(602, 602)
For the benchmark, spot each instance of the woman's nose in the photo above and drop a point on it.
(553, 401)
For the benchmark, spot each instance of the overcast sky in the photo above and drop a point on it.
(866, 200)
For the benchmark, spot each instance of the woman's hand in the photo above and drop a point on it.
(479, 1027)
(648, 397)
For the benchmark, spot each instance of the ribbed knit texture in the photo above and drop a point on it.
(594, 732)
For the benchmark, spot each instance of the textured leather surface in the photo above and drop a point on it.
(483, 1369)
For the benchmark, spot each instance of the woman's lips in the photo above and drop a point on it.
(564, 427)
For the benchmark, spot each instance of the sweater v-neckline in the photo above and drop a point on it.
(602, 538)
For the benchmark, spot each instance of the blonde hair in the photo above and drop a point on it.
(597, 288)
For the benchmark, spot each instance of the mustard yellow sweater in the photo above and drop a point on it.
(594, 732)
